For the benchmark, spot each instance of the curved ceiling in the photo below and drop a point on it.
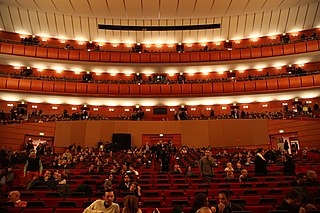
(78, 19)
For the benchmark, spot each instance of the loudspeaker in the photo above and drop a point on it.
(121, 141)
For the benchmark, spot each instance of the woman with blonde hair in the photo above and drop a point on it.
(131, 204)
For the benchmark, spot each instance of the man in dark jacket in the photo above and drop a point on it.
(33, 167)
(225, 206)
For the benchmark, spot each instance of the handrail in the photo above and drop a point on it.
(171, 57)
(200, 89)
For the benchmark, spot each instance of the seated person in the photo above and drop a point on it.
(312, 178)
(292, 202)
(190, 173)
(125, 183)
(108, 182)
(14, 196)
(177, 169)
(135, 189)
(225, 206)
(105, 205)
(91, 169)
(244, 176)
(229, 171)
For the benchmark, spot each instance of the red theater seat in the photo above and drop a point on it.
(196, 88)
(74, 54)
(95, 56)
(250, 86)
(288, 49)
(176, 88)
(261, 85)
(53, 53)
(165, 89)
(277, 50)
(135, 57)
(24, 84)
(312, 45)
(186, 88)
(295, 82)
(204, 56)
(245, 53)
(239, 86)
(134, 89)
(63, 54)
(165, 57)
(113, 88)
(18, 49)
(6, 48)
(69, 210)
(225, 55)
(105, 56)
(13, 83)
(124, 89)
(125, 57)
(155, 89)
(217, 88)
(59, 86)
(3, 83)
(300, 47)
(174, 57)
(37, 210)
(228, 87)
(235, 54)
(266, 51)
(307, 81)
(42, 52)
(272, 84)
(256, 52)
(283, 83)
(215, 56)
(92, 88)
(47, 86)
(155, 57)
(103, 88)
(71, 87)
(81, 87)
(145, 89)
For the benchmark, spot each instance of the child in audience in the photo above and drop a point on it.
(229, 171)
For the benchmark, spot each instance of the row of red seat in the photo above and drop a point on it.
(159, 89)
(127, 57)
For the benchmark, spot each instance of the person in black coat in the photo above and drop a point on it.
(288, 165)
(260, 163)
(225, 205)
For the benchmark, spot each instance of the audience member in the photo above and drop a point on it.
(225, 205)
(201, 200)
(288, 165)
(14, 196)
(229, 171)
(106, 205)
(33, 167)
(292, 202)
(244, 176)
(131, 204)
(260, 163)
(206, 166)
(312, 178)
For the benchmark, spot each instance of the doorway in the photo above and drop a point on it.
(277, 141)
(156, 138)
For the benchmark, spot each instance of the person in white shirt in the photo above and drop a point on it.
(104, 206)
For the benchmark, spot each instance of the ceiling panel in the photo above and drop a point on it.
(5, 15)
(301, 16)
(220, 7)
(76, 26)
(64, 6)
(311, 12)
(27, 4)
(254, 5)
(25, 20)
(10, 3)
(61, 30)
(256, 30)
(185, 8)
(16, 19)
(316, 23)
(291, 19)
(168, 8)
(85, 28)
(34, 20)
(273, 26)
(46, 5)
(202, 8)
(266, 23)
(116, 8)
(53, 25)
(249, 25)
(272, 5)
(44, 28)
(133, 8)
(99, 8)
(289, 3)
(69, 28)
(150, 8)
(241, 26)
(284, 21)
(237, 7)
(82, 7)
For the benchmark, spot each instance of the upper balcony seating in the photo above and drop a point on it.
(172, 57)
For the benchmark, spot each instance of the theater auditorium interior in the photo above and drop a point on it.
(171, 105)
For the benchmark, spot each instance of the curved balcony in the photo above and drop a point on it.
(127, 57)
(201, 89)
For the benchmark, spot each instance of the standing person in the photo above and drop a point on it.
(260, 163)
(131, 205)
(225, 206)
(107, 205)
(286, 146)
(206, 166)
(33, 167)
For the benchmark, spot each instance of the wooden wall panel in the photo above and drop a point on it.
(81, 88)
(261, 85)
(124, 89)
(295, 82)
(283, 83)
(60, 87)
(71, 87)
(272, 84)
(196, 88)
(103, 88)
(306, 81)
(48, 86)
(92, 88)
(37, 85)
(134, 89)
(24, 84)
